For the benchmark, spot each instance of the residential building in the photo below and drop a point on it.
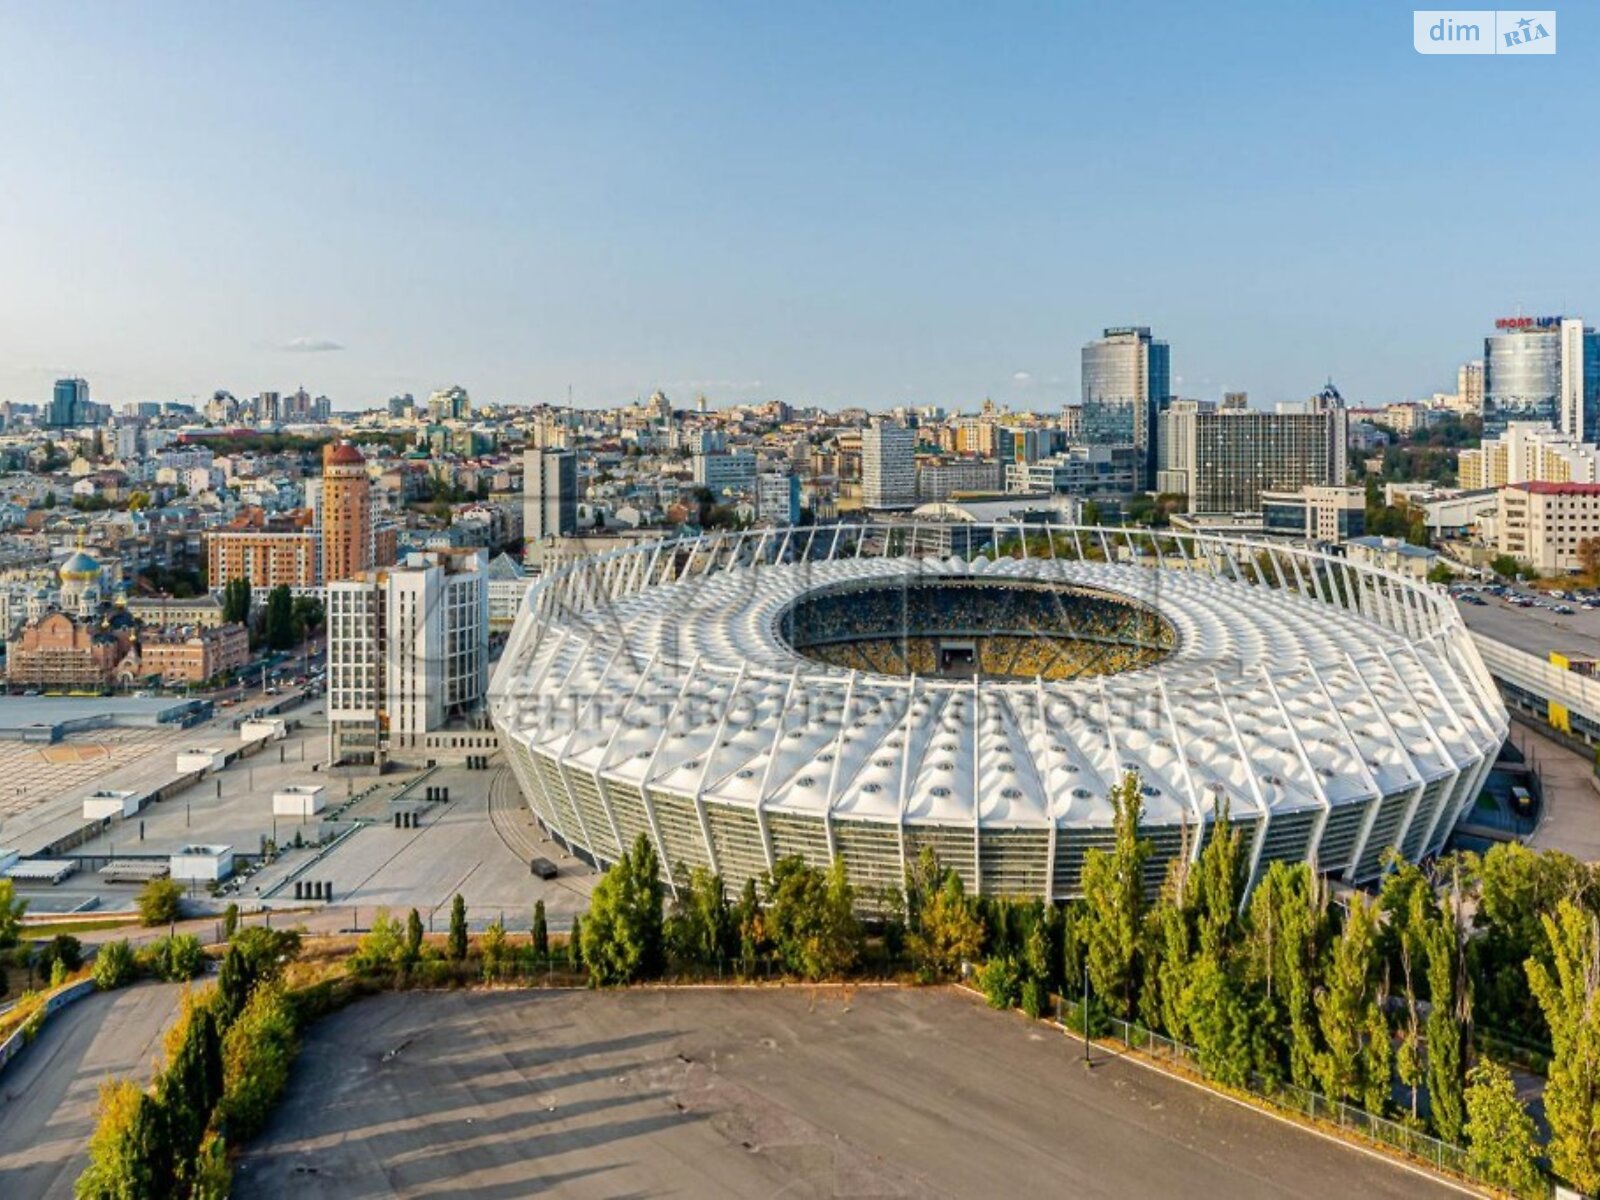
(1529, 452)
(1544, 525)
(1080, 471)
(344, 513)
(888, 466)
(1323, 514)
(726, 473)
(942, 478)
(408, 651)
(1223, 459)
(1392, 554)
(549, 495)
(778, 498)
(1126, 378)
(267, 551)
(187, 655)
(202, 612)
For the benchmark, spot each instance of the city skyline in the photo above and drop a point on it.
(834, 208)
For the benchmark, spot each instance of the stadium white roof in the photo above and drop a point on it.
(1272, 699)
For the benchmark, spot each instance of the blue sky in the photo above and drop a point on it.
(832, 204)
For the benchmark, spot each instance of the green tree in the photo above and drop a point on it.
(1502, 1148)
(457, 941)
(383, 947)
(236, 601)
(173, 959)
(1286, 928)
(11, 910)
(624, 939)
(750, 920)
(1000, 981)
(128, 1158)
(700, 931)
(114, 966)
(413, 947)
(280, 618)
(1567, 988)
(1355, 1062)
(190, 1086)
(1449, 1022)
(811, 916)
(1113, 889)
(256, 1055)
(575, 944)
(540, 942)
(230, 921)
(948, 932)
(492, 949)
(160, 902)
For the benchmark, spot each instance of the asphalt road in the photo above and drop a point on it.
(48, 1092)
(710, 1093)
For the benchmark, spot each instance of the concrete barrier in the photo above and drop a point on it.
(13, 1045)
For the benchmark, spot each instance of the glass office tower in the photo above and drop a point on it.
(1522, 375)
(1127, 377)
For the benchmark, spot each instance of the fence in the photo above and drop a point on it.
(1413, 1143)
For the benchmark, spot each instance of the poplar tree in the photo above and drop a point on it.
(1502, 1148)
(1567, 989)
(541, 933)
(1113, 890)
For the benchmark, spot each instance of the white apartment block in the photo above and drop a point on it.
(1529, 452)
(1544, 524)
(408, 650)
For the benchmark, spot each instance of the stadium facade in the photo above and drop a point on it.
(835, 692)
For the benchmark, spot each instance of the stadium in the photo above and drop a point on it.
(866, 691)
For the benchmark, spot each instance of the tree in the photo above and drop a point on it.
(1505, 566)
(700, 931)
(575, 944)
(191, 1085)
(1000, 981)
(160, 902)
(1449, 1024)
(540, 943)
(457, 942)
(492, 948)
(114, 966)
(63, 949)
(948, 932)
(11, 910)
(413, 948)
(256, 1055)
(1568, 990)
(127, 1152)
(280, 618)
(230, 921)
(173, 959)
(1113, 888)
(236, 598)
(1502, 1148)
(1589, 559)
(1355, 1062)
(811, 916)
(750, 921)
(623, 939)
(309, 616)
(383, 946)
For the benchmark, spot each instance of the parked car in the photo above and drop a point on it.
(543, 868)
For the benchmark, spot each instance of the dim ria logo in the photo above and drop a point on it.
(1484, 31)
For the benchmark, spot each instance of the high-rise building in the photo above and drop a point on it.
(67, 403)
(549, 495)
(726, 471)
(1127, 380)
(449, 404)
(402, 407)
(778, 498)
(408, 651)
(1223, 459)
(344, 513)
(1469, 388)
(888, 466)
(1542, 369)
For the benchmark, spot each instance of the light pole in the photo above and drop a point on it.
(1086, 1014)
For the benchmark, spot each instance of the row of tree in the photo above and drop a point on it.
(227, 1060)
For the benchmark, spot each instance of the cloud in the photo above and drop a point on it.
(1022, 378)
(309, 345)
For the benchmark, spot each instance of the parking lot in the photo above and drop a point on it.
(1536, 630)
(792, 1091)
